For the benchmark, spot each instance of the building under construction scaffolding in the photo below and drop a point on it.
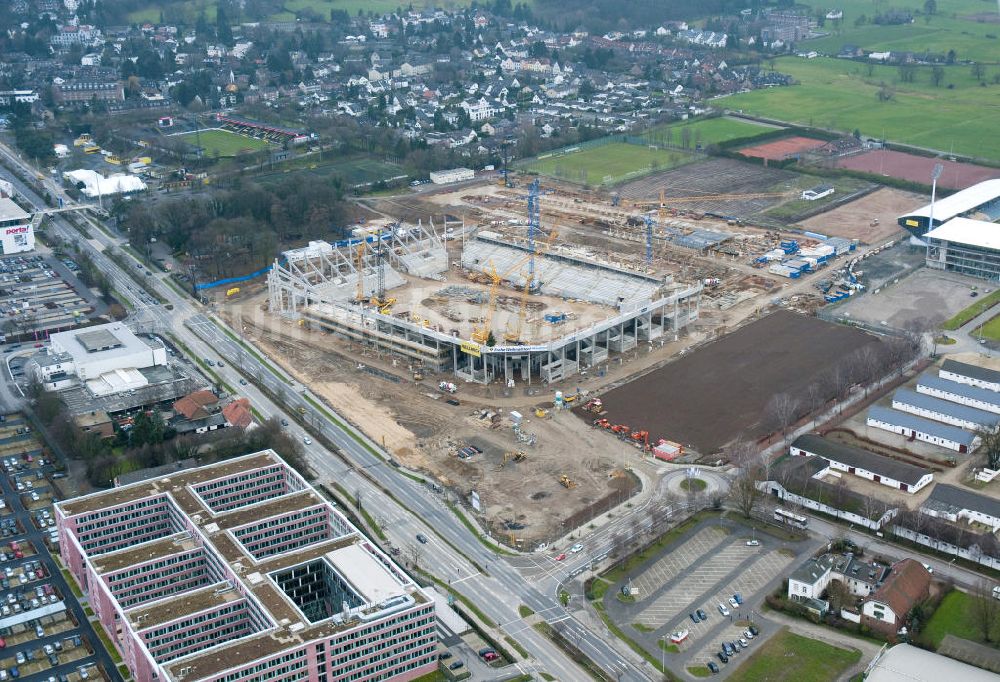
(482, 320)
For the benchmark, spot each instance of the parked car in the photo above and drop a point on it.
(723, 610)
(739, 599)
(456, 665)
(702, 614)
(694, 617)
(734, 603)
(576, 548)
(421, 538)
(714, 668)
(722, 657)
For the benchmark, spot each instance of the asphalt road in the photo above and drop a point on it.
(497, 591)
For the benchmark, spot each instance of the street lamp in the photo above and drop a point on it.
(935, 174)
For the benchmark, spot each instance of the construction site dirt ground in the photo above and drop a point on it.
(423, 433)
(932, 295)
(854, 220)
(709, 397)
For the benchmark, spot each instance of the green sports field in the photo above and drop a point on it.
(705, 131)
(839, 94)
(608, 164)
(223, 143)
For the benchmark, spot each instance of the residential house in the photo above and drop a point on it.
(907, 584)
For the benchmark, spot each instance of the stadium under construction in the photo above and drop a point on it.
(480, 305)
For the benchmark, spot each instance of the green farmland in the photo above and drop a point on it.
(704, 131)
(608, 164)
(954, 27)
(841, 95)
(223, 143)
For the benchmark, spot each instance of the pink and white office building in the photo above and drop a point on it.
(242, 571)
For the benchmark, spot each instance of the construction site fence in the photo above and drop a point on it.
(830, 314)
(233, 280)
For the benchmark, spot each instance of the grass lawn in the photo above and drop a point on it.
(840, 95)
(787, 656)
(357, 171)
(693, 485)
(950, 29)
(608, 164)
(223, 143)
(705, 131)
(955, 616)
(981, 305)
(323, 7)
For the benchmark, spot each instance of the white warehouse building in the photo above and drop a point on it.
(973, 375)
(953, 503)
(964, 394)
(869, 465)
(912, 426)
(16, 233)
(946, 411)
(107, 358)
(452, 175)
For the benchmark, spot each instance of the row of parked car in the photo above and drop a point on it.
(732, 648)
(735, 601)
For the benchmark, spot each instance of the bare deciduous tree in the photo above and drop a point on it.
(743, 490)
(990, 446)
(780, 412)
(984, 609)
(414, 552)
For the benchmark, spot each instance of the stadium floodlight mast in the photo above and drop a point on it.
(935, 174)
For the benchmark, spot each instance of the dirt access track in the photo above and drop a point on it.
(707, 398)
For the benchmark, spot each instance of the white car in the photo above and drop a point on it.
(733, 603)
(307, 440)
(723, 610)
(753, 543)
(576, 548)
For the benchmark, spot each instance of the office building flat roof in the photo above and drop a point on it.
(198, 525)
(915, 423)
(945, 407)
(968, 232)
(860, 459)
(906, 663)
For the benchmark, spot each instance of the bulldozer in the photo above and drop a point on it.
(541, 413)
(566, 482)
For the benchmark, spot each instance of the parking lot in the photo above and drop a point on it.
(44, 632)
(40, 293)
(720, 568)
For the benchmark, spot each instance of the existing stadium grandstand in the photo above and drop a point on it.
(981, 202)
(261, 131)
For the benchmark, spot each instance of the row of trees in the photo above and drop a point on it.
(150, 442)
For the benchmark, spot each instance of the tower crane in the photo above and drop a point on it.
(529, 286)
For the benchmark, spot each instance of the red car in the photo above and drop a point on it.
(3, 642)
(561, 557)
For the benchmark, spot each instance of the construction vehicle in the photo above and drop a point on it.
(541, 413)
(513, 456)
(566, 482)
(641, 437)
(447, 387)
(595, 405)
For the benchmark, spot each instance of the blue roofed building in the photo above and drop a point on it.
(972, 396)
(919, 428)
(938, 409)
